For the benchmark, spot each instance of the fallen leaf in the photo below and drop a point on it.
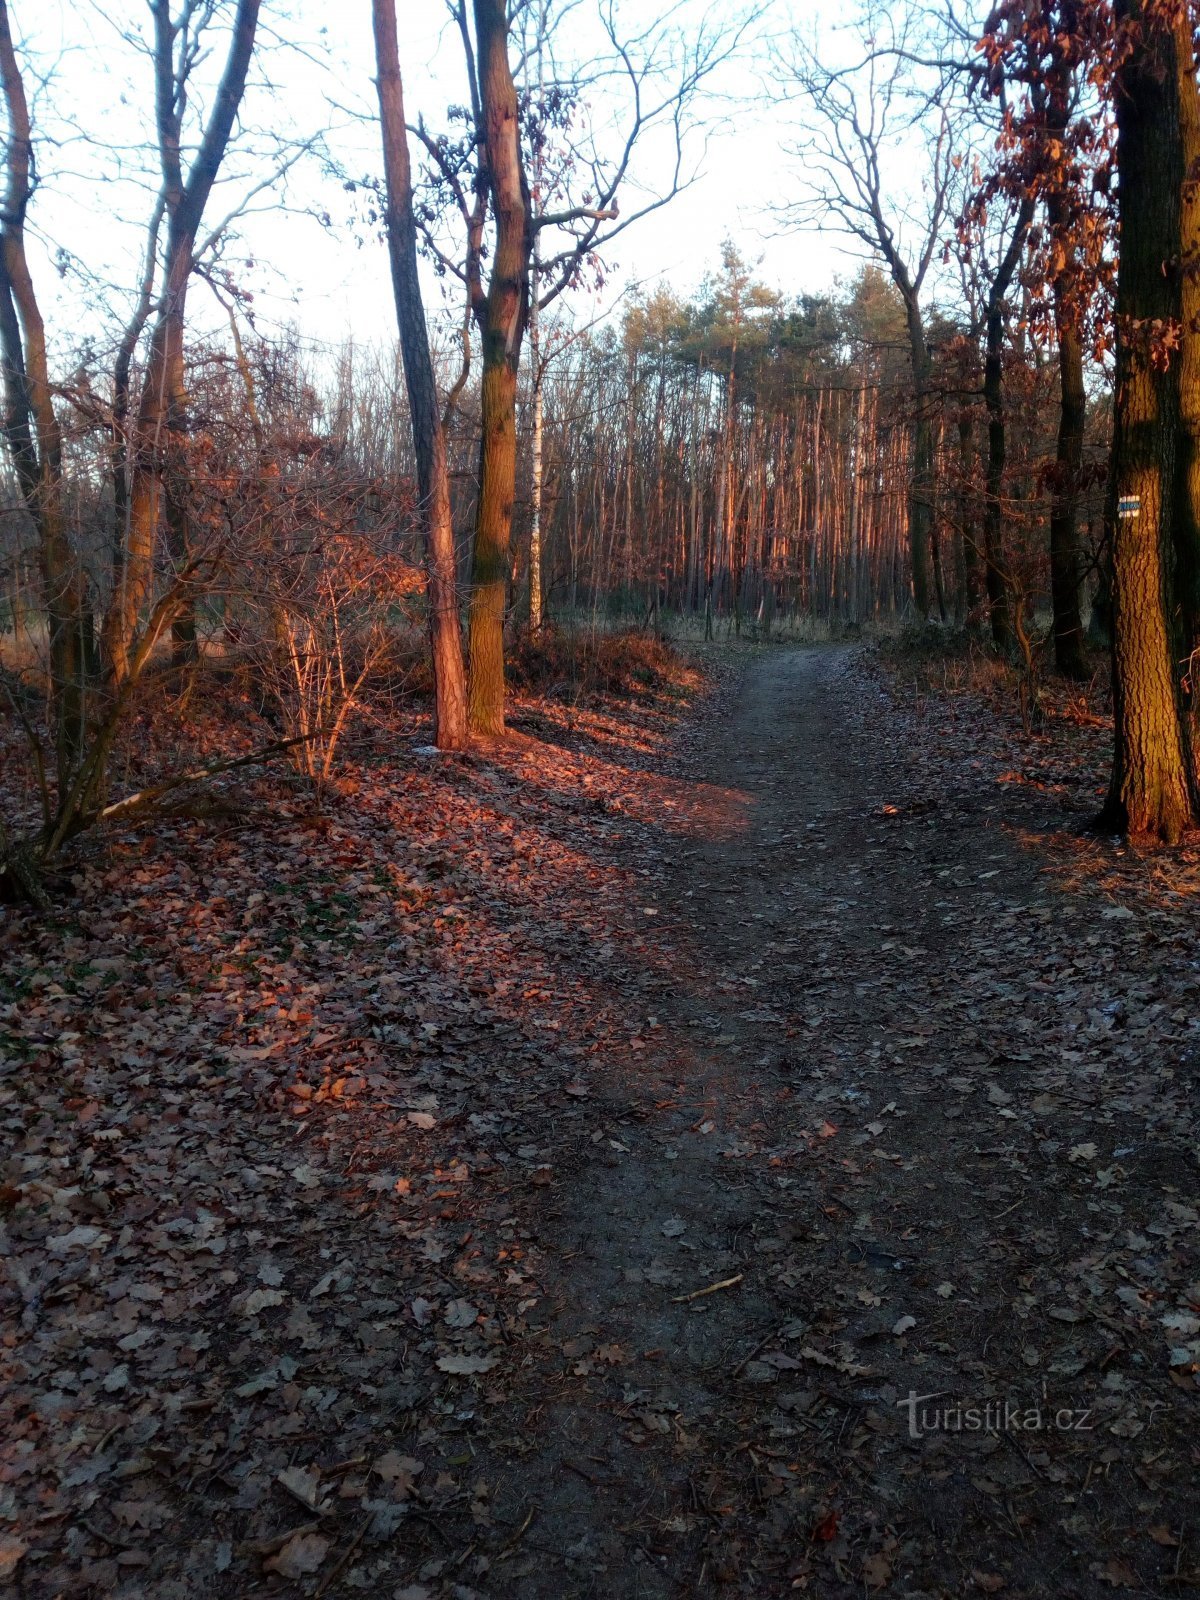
(467, 1366)
(11, 1551)
(301, 1556)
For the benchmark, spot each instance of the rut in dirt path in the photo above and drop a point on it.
(823, 1113)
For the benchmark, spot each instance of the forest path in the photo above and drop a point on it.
(849, 1097)
(544, 1173)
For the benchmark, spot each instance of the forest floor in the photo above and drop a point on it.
(551, 1172)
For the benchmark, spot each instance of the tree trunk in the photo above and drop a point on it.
(1152, 793)
(1187, 474)
(34, 437)
(1064, 531)
(537, 448)
(504, 319)
(993, 511)
(429, 439)
(920, 487)
(973, 577)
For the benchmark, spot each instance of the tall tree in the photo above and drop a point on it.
(429, 440)
(505, 317)
(32, 429)
(995, 335)
(1053, 149)
(1187, 481)
(645, 82)
(159, 426)
(1152, 793)
(1056, 93)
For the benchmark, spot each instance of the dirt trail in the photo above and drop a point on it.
(552, 1178)
(848, 1012)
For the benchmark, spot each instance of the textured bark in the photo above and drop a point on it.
(505, 315)
(32, 431)
(1187, 471)
(1152, 793)
(429, 441)
(159, 426)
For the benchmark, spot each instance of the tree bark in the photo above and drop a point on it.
(1152, 793)
(1187, 472)
(429, 440)
(504, 319)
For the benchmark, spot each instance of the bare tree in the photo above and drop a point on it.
(656, 71)
(159, 425)
(863, 111)
(450, 706)
(32, 428)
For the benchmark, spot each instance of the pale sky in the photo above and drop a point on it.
(97, 187)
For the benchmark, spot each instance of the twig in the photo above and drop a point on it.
(750, 1354)
(698, 1294)
(195, 774)
(519, 1535)
(347, 1555)
(276, 1541)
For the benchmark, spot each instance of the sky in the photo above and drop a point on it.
(90, 81)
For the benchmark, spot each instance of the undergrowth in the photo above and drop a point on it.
(567, 663)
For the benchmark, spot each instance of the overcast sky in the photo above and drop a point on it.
(94, 108)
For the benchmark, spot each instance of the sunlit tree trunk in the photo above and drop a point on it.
(1187, 475)
(1152, 793)
(429, 439)
(504, 321)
